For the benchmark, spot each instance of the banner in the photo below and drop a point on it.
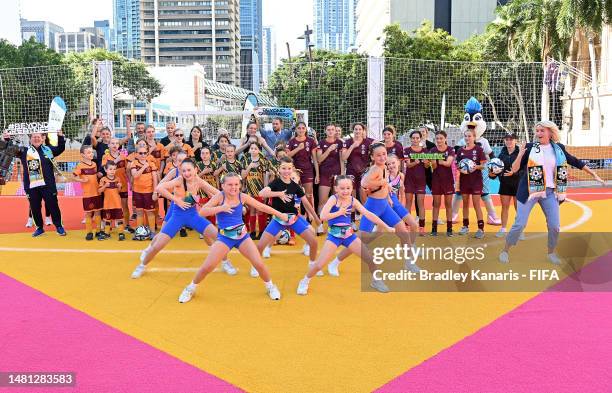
(283, 113)
(57, 111)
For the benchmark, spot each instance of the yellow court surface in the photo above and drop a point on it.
(337, 338)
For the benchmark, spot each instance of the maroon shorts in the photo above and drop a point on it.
(442, 187)
(307, 177)
(414, 188)
(326, 179)
(112, 214)
(91, 204)
(470, 188)
(123, 195)
(143, 201)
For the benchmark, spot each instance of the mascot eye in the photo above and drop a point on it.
(466, 117)
(477, 117)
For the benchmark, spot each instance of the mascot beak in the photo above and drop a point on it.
(471, 125)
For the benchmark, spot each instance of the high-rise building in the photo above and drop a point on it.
(334, 24)
(43, 31)
(85, 39)
(251, 44)
(126, 16)
(108, 32)
(268, 53)
(459, 18)
(187, 32)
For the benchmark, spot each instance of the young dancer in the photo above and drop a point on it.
(337, 212)
(442, 183)
(376, 185)
(112, 211)
(414, 181)
(330, 165)
(184, 192)
(470, 183)
(86, 173)
(283, 192)
(227, 206)
(398, 196)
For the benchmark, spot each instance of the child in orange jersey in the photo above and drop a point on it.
(144, 173)
(86, 173)
(112, 211)
(114, 155)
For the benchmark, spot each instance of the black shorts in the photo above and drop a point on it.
(508, 188)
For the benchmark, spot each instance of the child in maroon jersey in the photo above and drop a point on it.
(302, 149)
(470, 183)
(330, 164)
(393, 146)
(414, 181)
(442, 183)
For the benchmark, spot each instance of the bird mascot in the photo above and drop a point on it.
(473, 120)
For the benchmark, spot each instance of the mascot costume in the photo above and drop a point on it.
(473, 120)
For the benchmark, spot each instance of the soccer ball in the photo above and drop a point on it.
(284, 237)
(142, 233)
(496, 166)
(466, 166)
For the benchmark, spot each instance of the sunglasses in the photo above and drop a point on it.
(142, 153)
(179, 135)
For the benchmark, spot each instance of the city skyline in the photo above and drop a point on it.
(276, 13)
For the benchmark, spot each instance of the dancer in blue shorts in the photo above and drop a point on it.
(184, 192)
(337, 212)
(283, 191)
(227, 206)
(375, 183)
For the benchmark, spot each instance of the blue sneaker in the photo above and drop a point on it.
(61, 231)
(38, 232)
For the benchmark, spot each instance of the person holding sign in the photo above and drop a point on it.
(39, 171)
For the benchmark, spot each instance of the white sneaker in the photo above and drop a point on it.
(83, 221)
(379, 285)
(320, 229)
(464, 231)
(492, 220)
(306, 250)
(412, 267)
(266, 252)
(48, 221)
(274, 293)
(229, 268)
(522, 236)
(504, 257)
(139, 271)
(501, 233)
(479, 234)
(303, 286)
(143, 254)
(319, 273)
(332, 268)
(201, 236)
(254, 272)
(30, 223)
(554, 259)
(187, 294)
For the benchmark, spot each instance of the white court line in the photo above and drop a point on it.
(587, 213)
(107, 251)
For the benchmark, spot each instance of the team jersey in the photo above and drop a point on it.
(90, 173)
(477, 155)
(396, 149)
(168, 167)
(143, 183)
(112, 199)
(121, 172)
(331, 165)
(358, 160)
(158, 152)
(303, 158)
(209, 177)
(443, 173)
(293, 190)
(235, 167)
(416, 174)
(254, 181)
